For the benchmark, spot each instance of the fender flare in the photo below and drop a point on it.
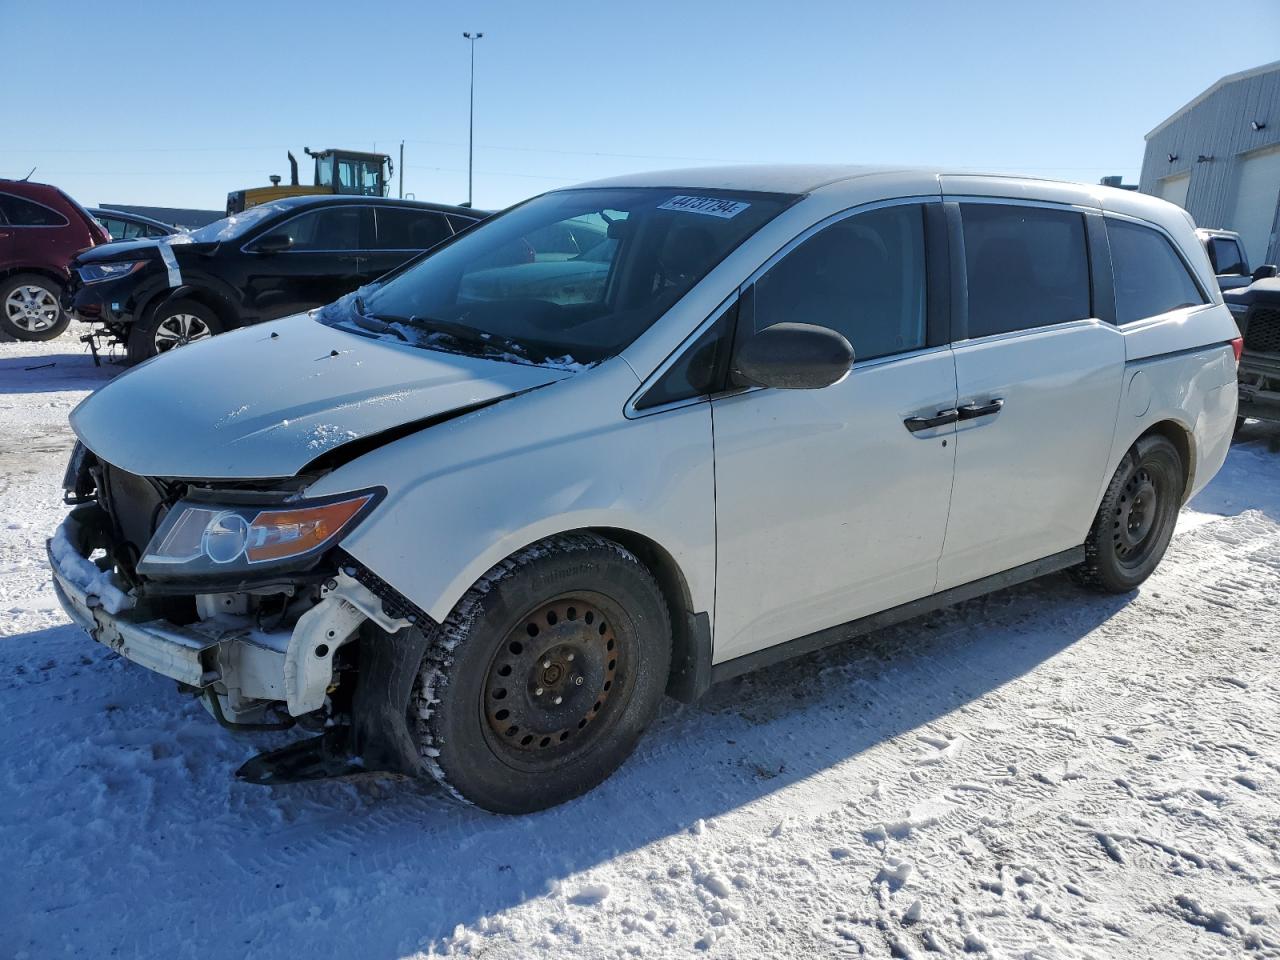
(203, 295)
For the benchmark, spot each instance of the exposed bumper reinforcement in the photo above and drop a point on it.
(294, 664)
(175, 652)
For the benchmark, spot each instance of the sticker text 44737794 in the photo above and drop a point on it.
(707, 206)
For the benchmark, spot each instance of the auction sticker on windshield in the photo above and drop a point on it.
(710, 206)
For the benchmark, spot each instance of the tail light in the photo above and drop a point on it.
(1237, 347)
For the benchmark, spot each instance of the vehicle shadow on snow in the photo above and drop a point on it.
(418, 865)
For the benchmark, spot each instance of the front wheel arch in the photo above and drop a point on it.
(201, 295)
(691, 640)
(485, 655)
(690, 628)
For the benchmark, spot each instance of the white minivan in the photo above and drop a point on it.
(472, 521)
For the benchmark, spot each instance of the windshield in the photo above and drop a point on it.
(228, 228)
(570, 277)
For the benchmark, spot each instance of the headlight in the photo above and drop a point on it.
(97, 272)
(198, 539)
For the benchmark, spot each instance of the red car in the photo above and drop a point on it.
(41, 229)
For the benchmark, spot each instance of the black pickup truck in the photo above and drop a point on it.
(1257, 312)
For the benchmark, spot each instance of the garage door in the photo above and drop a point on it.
(1257, 191)
(1174, 189)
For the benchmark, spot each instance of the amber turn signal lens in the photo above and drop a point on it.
(278, 534)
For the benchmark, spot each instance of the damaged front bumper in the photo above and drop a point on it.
(225, 654)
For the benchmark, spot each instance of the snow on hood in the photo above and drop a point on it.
(264, 401)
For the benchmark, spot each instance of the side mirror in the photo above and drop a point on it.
(1265, 272)
(793, 356)
(273, 243)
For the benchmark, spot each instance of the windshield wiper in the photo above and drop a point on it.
(375, 324)
(460, 332)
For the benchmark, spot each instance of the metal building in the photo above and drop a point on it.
(1219, 157)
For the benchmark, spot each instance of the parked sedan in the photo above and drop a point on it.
(131, 226)
(273, 260)
(41, 229)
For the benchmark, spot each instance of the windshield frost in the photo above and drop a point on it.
(568, 278)
(228, 228)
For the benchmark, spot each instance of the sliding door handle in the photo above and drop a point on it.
(941, 419)
(971, 411)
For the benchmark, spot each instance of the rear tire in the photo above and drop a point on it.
(1135, 522)
(543, 679)
(31, 307)
(174, 323)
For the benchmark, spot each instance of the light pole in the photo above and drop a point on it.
(471, 123)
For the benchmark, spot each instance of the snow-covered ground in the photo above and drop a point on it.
(1040, 773)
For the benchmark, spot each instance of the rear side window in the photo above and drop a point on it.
(1227, 257)
(1027, 267)
(409, 229)
(863, 276)
(115, 228)
(25, 213)
(1150, 277)
(132, 231)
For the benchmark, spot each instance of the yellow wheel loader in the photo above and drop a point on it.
(337, 171)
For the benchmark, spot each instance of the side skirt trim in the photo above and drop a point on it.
(887, 618)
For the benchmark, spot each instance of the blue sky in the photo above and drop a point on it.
(174, 104)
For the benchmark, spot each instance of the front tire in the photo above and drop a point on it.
(543, 679)
(31, 308)
(175, 323)
(1135, 522)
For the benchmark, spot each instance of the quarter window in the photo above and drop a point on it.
(1150, 277)
(410, 229)
(1027, 267)
(460, 223)
(23, 213)
(863, 276)
(700, 370)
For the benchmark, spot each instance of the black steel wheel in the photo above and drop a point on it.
(558, 676)
(543, 679)
(1135, 521)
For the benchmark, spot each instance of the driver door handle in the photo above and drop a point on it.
(941, 419)
(971, 411)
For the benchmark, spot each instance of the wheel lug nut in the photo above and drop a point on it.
(546, 664)
(570, 658)
(558, 700)
(577, 681)
(538, 692)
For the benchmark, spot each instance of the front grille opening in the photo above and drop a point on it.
(1262, 333)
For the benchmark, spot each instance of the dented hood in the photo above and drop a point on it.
(265, 401)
